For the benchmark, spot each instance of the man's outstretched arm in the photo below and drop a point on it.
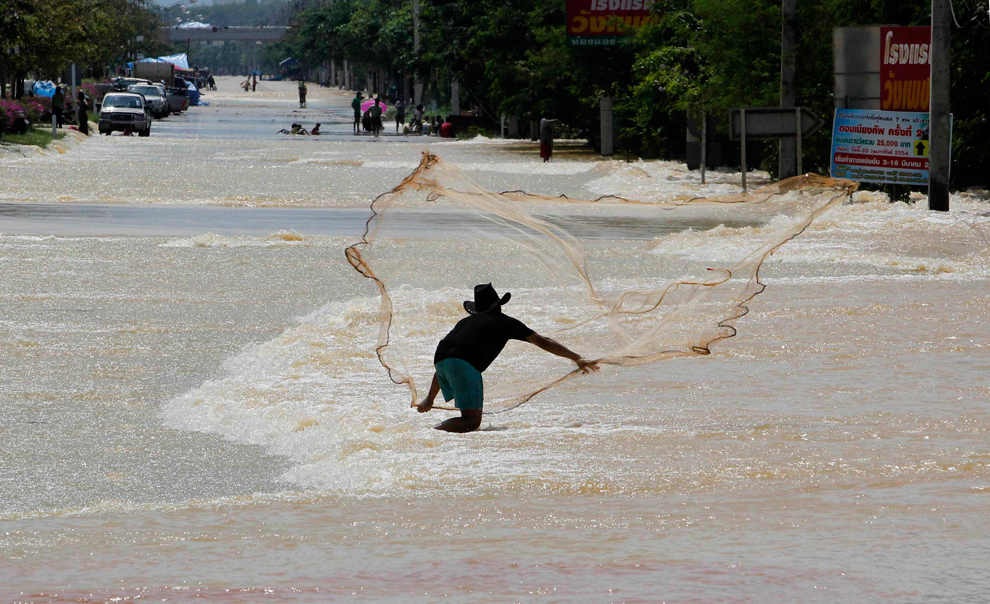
(427, 403)
(555, 347)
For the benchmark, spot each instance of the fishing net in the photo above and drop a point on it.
(576, 275)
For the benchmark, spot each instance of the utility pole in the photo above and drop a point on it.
(786, 166)
(417, 85)
(704, 145)
(940, 152)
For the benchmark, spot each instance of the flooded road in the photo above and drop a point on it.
(191, 406)
(96, 220)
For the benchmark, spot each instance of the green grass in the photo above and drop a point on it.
(38, 137)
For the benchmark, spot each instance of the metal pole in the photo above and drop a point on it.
(54, 126)
(608, 140)
(704, 145)
(798, 135)
(417, 85)
(742, 136)
(73, 76)
(788, 69)
(939, 153)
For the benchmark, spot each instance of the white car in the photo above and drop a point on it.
(153, 96)
(124, 112)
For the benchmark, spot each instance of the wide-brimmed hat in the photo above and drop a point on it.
(485, 300)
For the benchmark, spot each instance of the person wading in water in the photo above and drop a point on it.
(356, 105)
(469, 348)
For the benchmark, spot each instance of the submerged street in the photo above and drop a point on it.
(191, 405)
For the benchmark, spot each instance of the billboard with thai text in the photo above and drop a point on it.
(889, 147)
(905, 68)
(605, 22)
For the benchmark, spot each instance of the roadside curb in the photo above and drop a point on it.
(71, 139)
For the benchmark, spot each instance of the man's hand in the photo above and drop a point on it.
(427, 403)
(587, 366)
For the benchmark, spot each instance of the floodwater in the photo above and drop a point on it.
(191, 406)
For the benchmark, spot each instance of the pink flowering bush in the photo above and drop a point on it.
(37, 110)
(6, 120)
(44, 108)
(44, 101)
(10, 111)
(34, 110)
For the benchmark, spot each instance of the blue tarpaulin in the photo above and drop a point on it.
(193, 93)
(179, 60)
(44, 89)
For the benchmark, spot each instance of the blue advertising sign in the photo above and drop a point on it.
(886, 147)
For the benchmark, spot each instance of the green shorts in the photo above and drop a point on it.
(459, 380)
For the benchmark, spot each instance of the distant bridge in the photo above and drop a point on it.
(210, 34)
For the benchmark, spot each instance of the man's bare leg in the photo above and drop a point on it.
(469, 421)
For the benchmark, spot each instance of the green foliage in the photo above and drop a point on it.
(45, 36)
(697, 55)
(372, 35)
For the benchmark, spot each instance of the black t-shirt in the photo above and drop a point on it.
(478, 339)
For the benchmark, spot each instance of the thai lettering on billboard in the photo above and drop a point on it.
(905, 68)
(880, 146)
(605, 22)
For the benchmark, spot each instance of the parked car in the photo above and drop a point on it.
(122, 84)
(124, 111)
(178, 100)
(156, 101)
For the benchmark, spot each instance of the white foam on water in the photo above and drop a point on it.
(281, 238)
(664, 180)
(317, 395)
(499, 167)
(870, 232)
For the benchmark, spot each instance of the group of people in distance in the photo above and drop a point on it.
(298, 129)
(62, 106)
(370, 120)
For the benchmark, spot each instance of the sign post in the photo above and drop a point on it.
(797, 141)
(772, 123)
(742, 145)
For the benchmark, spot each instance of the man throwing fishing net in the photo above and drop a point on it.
(469, 348)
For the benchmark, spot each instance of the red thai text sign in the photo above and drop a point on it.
(905, 68)
(602, 22)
